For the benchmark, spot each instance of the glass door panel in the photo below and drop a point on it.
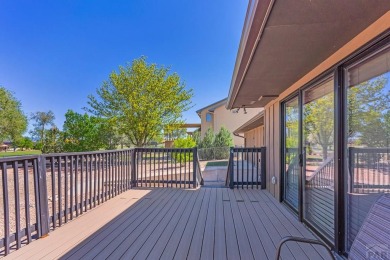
(318, 156)
(291, 169)
(368, 137)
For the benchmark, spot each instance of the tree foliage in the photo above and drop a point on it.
(319, 122)
(13, 122)
(141, 99)
(82, 132)
(369, 112)
(42, 121)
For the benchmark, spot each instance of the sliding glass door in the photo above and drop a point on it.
(291, 169)
(318, 156)
(367, 88)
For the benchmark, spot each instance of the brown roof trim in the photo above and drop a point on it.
(248, 45)
(212, 107)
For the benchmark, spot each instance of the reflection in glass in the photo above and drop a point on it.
(318, 151)
(291, 156)
(368, 137)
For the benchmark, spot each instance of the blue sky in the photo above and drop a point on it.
(53, 54)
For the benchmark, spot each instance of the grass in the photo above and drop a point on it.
(19, 153)
(219, 163)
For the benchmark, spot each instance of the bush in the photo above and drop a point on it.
(223, 140)
(187, 142)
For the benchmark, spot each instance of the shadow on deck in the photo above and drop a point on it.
(165, 223)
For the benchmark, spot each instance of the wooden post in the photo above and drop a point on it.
(194, 163)
(231, 172)
(263, 169)
(133, 168)
(43, 200)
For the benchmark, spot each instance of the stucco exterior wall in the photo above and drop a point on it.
(204, 124)
(232, 121)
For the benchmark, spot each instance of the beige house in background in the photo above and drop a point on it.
(216, 115)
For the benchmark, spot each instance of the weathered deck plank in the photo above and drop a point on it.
(165, 223)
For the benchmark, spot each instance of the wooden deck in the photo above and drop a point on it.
(164, 223)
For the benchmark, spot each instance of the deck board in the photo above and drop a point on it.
(168, 223)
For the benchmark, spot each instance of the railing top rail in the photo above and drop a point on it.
(19, 158)
(322, 166)
(371, 149)
(247, 149)
(164, 149)
(87, 153)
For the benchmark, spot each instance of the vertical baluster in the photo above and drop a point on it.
(15, 167)
(66, 189)
(72, 185)
(90, 180)
(27, 200)
(59, 191)
(181, 180)
(36, 191)
(110, 180)
(94, 179)
(174, 157)
(257, 169)
(105, 173)
(185, 167)
(253, 165)
(87, 182)
(82, 185)
(53, 193)
(99, 177)
(76, 186)
(6, 209)
(154, 167)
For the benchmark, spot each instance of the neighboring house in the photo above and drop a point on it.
(305, 63)
(216, 115)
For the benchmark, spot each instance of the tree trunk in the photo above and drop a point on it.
(325, 152)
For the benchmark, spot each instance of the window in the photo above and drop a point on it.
(209, 117)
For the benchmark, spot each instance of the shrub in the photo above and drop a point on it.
(187, 142)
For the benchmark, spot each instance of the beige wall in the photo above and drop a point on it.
(272, 119)
(254, 137)
(232, 121)
(205, 125)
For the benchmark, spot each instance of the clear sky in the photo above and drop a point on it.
(53, 54)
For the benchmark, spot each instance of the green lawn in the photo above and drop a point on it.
(19, 153)
(220, 163)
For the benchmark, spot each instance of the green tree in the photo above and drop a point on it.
(142, 99)
(82, 132)
(53, 141)
(368, 107)
(13, 122)
(222, 143)
(25, 143)
(318, 122)
(42, 120)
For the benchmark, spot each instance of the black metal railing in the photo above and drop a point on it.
(246, 168)
(42, 192)
(369, 170)
(323, 177)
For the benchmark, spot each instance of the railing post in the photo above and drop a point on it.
(194, 163)
(133, 168)
(43, 199)
(231, 173)
(263, 169)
